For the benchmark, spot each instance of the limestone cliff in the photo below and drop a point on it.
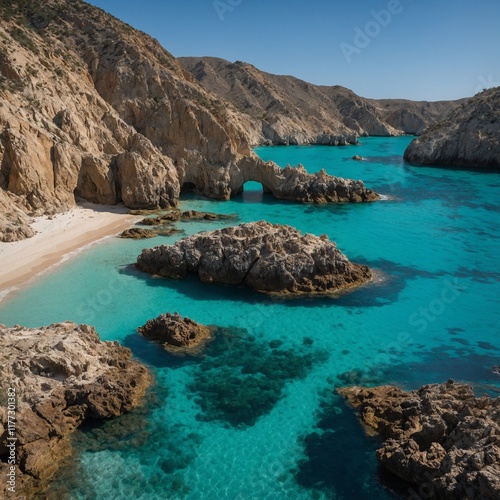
(51, 380)
(91, 108)
(286, 110)
(466, 137)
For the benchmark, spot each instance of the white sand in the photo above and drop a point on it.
(56, 237)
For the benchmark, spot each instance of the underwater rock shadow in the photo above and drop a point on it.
(462, 363)
(377, 293)
(191, 286)
(152, 353)
(339, 457)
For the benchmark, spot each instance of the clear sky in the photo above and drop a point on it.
(415, 49)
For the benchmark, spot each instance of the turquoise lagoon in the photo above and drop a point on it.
(258, 418)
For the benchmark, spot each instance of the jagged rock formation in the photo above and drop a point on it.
(177, 335)
(466, 137)
(295, 184)
(270, 258)
(286, 110)
(61, 375)
(90, 107)
(441, 437)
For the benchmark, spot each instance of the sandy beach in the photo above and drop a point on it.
(56, 237)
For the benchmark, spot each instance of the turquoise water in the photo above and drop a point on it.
(258, 418)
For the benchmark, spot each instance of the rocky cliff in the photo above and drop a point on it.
(442, 438)
(270, 258)
(51, 380)
(466, 137)
(91, 108)
(286, 110)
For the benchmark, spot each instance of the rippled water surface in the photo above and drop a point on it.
(257, 417)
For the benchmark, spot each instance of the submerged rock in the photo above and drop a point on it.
(241, 377)
(440, 437)
(270, 258)
(177, 215)
(138, 233)
(52, 379)
(178, 335)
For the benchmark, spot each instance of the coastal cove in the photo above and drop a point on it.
(430, 315)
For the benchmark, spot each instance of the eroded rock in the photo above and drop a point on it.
(178, 335)
(269, 258)
(440, 437)
(61, 375)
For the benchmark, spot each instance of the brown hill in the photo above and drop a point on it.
(286, 110)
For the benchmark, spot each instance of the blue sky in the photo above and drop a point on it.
(414, 49)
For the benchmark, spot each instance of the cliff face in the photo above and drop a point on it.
(286, 110)
(466, 137)
(90, 107)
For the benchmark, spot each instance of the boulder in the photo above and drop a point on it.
(178, 335)
(270, 258)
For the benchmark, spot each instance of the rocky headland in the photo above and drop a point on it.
(178, 335)
(52, 379)
(284, 110)
(441, 438)
(466, 137)
(94, 109)
(273, 259)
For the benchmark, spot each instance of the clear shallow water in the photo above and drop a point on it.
(257, 418)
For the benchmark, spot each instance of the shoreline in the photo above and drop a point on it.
(56, 237)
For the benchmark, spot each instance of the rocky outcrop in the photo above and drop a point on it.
(178, 215)
(139, 233)
(466, 137)
(285, 110)
(296, 184)
(95, 109)
(442, 438)
(57, 377)
(270, 258)
(177, 335)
